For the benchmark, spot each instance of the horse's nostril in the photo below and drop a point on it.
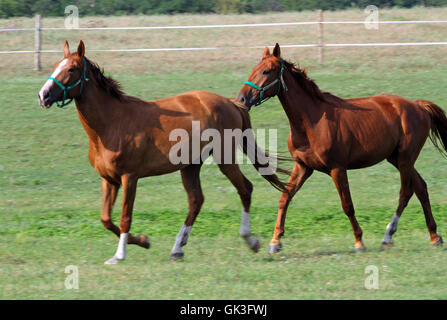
(46, 94)
(241, 97)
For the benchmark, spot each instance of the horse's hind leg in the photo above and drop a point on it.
(244, 188)
(411, 182)
(191, 182)
(420, 188)
(406, 192)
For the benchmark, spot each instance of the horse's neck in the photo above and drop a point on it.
(302, 110)
(96, 110)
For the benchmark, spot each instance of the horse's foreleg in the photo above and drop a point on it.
(340, 178)
(191, 182)
(129, 184)
(300, 174)
(109, 193)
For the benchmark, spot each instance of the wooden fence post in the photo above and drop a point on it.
(37, 40)
(320, 36)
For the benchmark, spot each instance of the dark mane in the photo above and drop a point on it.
(308, 84)
(108, 84)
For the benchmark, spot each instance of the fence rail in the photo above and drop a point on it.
(210, 26)
(373, 44)
(320, 43)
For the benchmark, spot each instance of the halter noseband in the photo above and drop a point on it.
(66, 89)
(261, 90)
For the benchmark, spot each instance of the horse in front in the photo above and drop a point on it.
(130, 139)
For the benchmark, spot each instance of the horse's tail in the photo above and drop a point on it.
(438, 134)
(260, 159)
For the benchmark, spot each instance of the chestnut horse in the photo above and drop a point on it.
(130, 139)
(333, 135)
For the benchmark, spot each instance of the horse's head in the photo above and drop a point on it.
(67, 79)
(265, 80)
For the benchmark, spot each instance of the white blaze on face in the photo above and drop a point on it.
(49, 82)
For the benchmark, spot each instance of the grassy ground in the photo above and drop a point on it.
(50, 199)
(221, 268)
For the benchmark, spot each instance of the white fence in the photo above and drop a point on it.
(38, 31)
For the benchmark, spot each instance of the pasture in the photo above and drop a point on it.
(50, 196)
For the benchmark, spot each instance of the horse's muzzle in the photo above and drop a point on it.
(45, 99)
(246, 99)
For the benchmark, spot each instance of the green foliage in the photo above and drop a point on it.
(230, 6)
(14, 8)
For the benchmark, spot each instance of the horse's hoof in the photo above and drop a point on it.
(387, 245)
(143, 241)
(275, 248)
(359, 248)
(113, 260)
(438, 242)
(177, 256)
(253, 243)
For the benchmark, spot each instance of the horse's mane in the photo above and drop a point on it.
(108, 84)
(308, 85)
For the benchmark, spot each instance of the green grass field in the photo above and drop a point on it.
(50, 199)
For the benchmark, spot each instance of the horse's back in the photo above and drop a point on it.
(393, 120)
(390, 104)
(214, 109)
(370, 129)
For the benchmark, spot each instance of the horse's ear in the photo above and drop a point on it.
(266, 52)
(81, 49)
(277, 51)
(66, 49)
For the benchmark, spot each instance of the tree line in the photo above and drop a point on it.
(23, 8)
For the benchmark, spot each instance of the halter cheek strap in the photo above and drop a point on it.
(66, 89)
(279, 80)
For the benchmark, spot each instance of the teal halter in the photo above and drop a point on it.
(263, 89)
(66, 89)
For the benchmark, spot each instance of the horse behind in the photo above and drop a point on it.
(333, 135)
(130, 139)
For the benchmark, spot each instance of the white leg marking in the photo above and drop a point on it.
(245, 231)
(50, 82)
(120, 253)
(391, 229)
(180, 241)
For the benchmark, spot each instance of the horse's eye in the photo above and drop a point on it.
(71, 70)
(266, 72)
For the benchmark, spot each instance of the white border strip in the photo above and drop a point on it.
(228, 25)
(389, 44)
